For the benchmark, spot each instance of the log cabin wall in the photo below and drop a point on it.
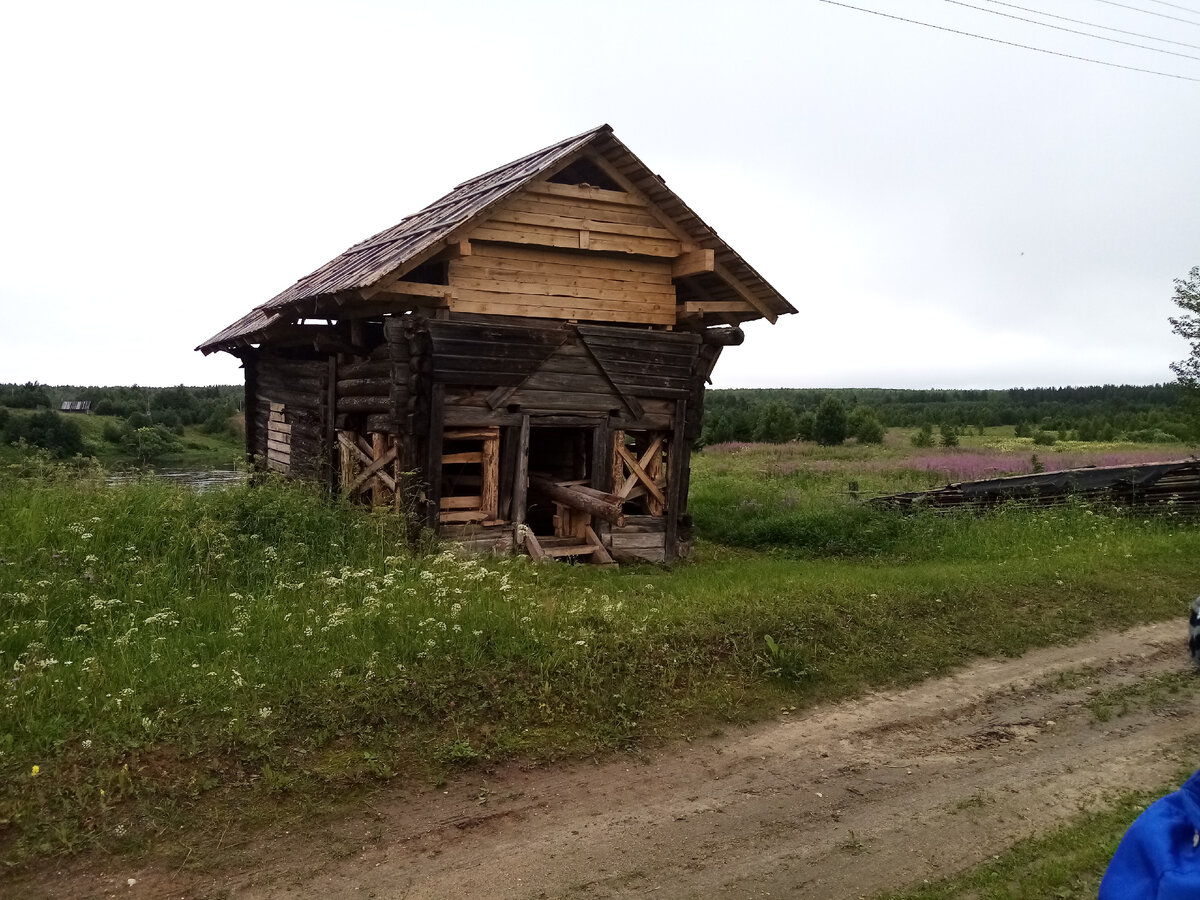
(289, 433)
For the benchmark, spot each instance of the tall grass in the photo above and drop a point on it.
(162, 648)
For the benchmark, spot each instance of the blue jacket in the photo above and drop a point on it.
(1159, 857)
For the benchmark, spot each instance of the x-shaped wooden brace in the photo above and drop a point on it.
(373, 468)
(637, 469)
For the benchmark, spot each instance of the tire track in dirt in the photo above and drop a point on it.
(840, 801)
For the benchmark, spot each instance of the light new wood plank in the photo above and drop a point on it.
(578, 192)
(544, 312)
(581, 278)
(528, 285)
(602, 212)
(451, 459)
(701, 307)
(744, 292)
(279, 427)
(569, 239)
(559, 301)
(461, 502)
(580, 222)
(276, 447)
(463, 515)
(536, 254)
(694, 263)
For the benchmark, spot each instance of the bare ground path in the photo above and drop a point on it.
(840, 801)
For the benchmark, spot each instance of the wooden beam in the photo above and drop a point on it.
(686, 240)
(604, 506)
(744, 292)
(375, 468)
(677, 459)
(453, 250)
(600, 556)
(521, 479)
(638, 473)
(535, 549)
(700, 307)
(694, 263)
(410, 289)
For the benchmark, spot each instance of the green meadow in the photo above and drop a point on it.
(205, 660)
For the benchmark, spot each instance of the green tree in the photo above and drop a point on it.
(1187, 326)
(924, 436)
(864, 426)
(829, 428)
(949, 436)
(776, 423)
(149, 443)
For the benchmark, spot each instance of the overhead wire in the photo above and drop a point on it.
(1148, 12)
(993, 40)
(1195, 12)
(1046, 15)
(1098, 37)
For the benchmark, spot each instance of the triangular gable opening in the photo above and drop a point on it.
(584, 172)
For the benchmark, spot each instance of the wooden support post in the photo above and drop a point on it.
(508, 470)
(490, 491)
(676, 460)
(349, 459)
(331, 441)
(618, 461)
(654, 468)
(378, 451)
(521, 480)
(433, 459)
(250, 407)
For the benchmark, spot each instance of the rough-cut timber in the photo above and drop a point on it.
(1173, 485)
(520, 365)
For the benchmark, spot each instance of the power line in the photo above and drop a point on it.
(1148, 12)
(981, 37)
(1098, 37)
(1046, 15)
(1194, 12)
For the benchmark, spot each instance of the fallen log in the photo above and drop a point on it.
(592, 502)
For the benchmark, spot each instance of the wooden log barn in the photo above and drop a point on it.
(521, 364)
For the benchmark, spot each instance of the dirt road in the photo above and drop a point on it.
(836, 802)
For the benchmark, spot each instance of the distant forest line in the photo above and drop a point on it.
(1154, 413)
(1161, 412)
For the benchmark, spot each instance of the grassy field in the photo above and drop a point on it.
(169, 652)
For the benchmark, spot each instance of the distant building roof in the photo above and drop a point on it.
(76, 406)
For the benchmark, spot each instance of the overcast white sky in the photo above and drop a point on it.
(943, 211)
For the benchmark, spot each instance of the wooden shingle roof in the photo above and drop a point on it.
(422, 235)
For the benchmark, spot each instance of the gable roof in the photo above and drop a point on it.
(421, 235)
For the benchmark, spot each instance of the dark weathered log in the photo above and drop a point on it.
(521, 477)
(723, 337)
(369, 369)
(364, 387)
(381, 422)
(376, 404)
(274, 394)
(595, 503)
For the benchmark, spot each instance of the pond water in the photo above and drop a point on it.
(198, 479)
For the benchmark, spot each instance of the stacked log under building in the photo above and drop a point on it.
(520, 366)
